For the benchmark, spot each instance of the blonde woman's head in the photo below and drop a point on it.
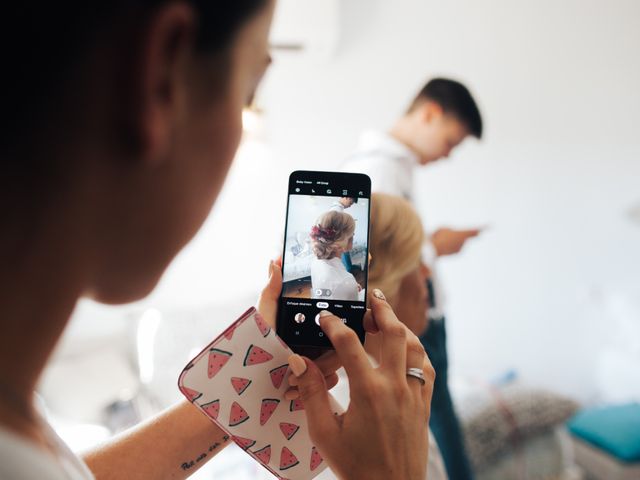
(395, 244)
(332, 234)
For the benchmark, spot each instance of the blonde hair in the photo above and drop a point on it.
(331, 232)
(395, 242)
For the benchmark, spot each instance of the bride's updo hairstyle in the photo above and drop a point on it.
(331, 233)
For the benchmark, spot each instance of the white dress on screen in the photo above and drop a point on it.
(332, 278)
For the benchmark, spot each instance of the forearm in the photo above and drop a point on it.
(171, 445)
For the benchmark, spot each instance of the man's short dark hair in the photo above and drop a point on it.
(455, 99)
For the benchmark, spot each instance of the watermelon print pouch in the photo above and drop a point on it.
(239, 381)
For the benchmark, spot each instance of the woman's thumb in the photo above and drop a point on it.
(268, 300)
(313, 393)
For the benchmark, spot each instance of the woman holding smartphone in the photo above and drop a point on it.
(395, 244)
(120, 121)
(397, 268)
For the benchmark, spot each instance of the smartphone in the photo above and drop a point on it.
(239, 381)
(326, 256)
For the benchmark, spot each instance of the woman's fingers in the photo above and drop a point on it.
(330, 380)
(369, 323)
(427, 390)
(268, 300)
(393, 357)
(347, 345)
(415, 359)
(313, 392)
(328, 363)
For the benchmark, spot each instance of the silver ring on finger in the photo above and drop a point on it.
(416, 373)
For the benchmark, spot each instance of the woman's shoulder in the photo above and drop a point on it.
(318, 263)
(20, 459)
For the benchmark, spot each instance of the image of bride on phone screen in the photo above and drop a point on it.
(331, 237)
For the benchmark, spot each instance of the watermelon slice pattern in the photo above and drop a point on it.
(263, 326)
(240, 384)
(287, 459)
(316, 459)
(244, 443)
(296, 405)
(237, 415)
(277, 375)
(256, 355)
(191, 394)
(212, 408)
(288, 429)
(269, 406)
(229, 333)
(217, 360)
(264, 454)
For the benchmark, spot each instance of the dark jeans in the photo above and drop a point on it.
(444, 423)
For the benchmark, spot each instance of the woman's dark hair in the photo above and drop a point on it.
(42, 42)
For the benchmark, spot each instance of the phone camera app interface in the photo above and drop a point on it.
(325, 257)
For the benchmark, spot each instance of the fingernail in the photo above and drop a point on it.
(291, 394)
(325, 313)
(378, 294)
(297, 365)
(270, 268)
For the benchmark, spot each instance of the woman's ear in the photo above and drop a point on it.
(157, 88)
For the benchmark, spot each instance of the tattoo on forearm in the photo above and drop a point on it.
(192, 463)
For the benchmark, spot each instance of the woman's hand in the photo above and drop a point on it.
(384, 432)
(329, 362)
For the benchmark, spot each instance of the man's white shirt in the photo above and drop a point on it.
(391, 166)
(337, 207)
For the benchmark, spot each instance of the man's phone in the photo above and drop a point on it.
(326, 256)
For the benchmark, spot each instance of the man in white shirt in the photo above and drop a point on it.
(440, 117)
(342, 204)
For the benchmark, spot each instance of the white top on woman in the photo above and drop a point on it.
(21, 459)
(332, 278)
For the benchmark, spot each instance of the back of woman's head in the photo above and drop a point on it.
(395, 242)
(127, 100)
(331, 234)
(46, 45)
(50, 51)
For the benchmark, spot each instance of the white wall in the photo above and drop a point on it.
(559, 85)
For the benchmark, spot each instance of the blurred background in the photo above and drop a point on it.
(548, 297)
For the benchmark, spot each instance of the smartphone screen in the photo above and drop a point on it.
(326, 256)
